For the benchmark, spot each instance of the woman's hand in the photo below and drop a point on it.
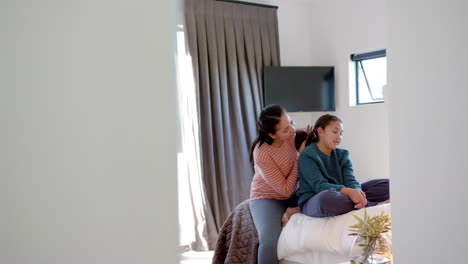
(308, 129)
(357, 196)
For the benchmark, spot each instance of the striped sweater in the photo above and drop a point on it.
(275, 171)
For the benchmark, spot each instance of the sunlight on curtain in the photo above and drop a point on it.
(191, 203)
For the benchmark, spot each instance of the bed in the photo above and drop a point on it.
(303, 240)
(322, 240)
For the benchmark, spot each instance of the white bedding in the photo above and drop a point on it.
(321, 240)
(314, 258)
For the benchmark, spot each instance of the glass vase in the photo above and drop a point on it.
(370, 250)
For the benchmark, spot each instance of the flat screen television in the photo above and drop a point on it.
(300, 89)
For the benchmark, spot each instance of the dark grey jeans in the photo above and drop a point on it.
(332, 202)
(267, 214)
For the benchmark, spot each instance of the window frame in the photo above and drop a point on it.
(357, 58)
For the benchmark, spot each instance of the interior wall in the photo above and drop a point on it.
(427, 101)
(89, 160)
(323, 33)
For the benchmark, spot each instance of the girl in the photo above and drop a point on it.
(272, 199)
(327, 186)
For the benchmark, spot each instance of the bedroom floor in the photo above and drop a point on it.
(194, 257)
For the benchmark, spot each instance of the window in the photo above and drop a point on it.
(371, 76)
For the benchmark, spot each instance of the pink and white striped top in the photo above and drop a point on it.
(275, 171)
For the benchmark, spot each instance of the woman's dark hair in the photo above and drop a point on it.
(322, 122)
(269, 118)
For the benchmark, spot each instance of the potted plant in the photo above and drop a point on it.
(368, 232)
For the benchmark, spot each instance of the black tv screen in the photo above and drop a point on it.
(300, 89)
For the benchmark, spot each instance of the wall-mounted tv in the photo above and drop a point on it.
(300, 89)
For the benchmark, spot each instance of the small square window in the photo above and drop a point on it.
(371, 76)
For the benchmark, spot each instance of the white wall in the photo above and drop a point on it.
(427, 86)
(318, 33)
(90, 156)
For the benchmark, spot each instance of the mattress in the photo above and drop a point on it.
(322, 240)
(314, 258)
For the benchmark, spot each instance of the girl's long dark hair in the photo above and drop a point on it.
(301, 136)
(322, 122)
(269, 118)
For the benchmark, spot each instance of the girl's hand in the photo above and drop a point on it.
(308, 129)
(363, 194)
(357, 196)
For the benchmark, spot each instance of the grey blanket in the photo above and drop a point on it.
(238, 238)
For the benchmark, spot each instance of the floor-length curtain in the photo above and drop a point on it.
(193, 212)
(230, 44)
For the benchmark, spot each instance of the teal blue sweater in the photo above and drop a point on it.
(319, 172)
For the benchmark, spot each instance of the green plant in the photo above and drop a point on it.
(370, 229)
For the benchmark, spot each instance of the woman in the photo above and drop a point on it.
(272, 198)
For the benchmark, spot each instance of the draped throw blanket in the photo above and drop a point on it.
(238, 238)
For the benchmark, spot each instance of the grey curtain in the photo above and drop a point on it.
(230, 44)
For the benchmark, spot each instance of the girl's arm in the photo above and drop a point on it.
(353, 188)
(348, 173)
(269, 171)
